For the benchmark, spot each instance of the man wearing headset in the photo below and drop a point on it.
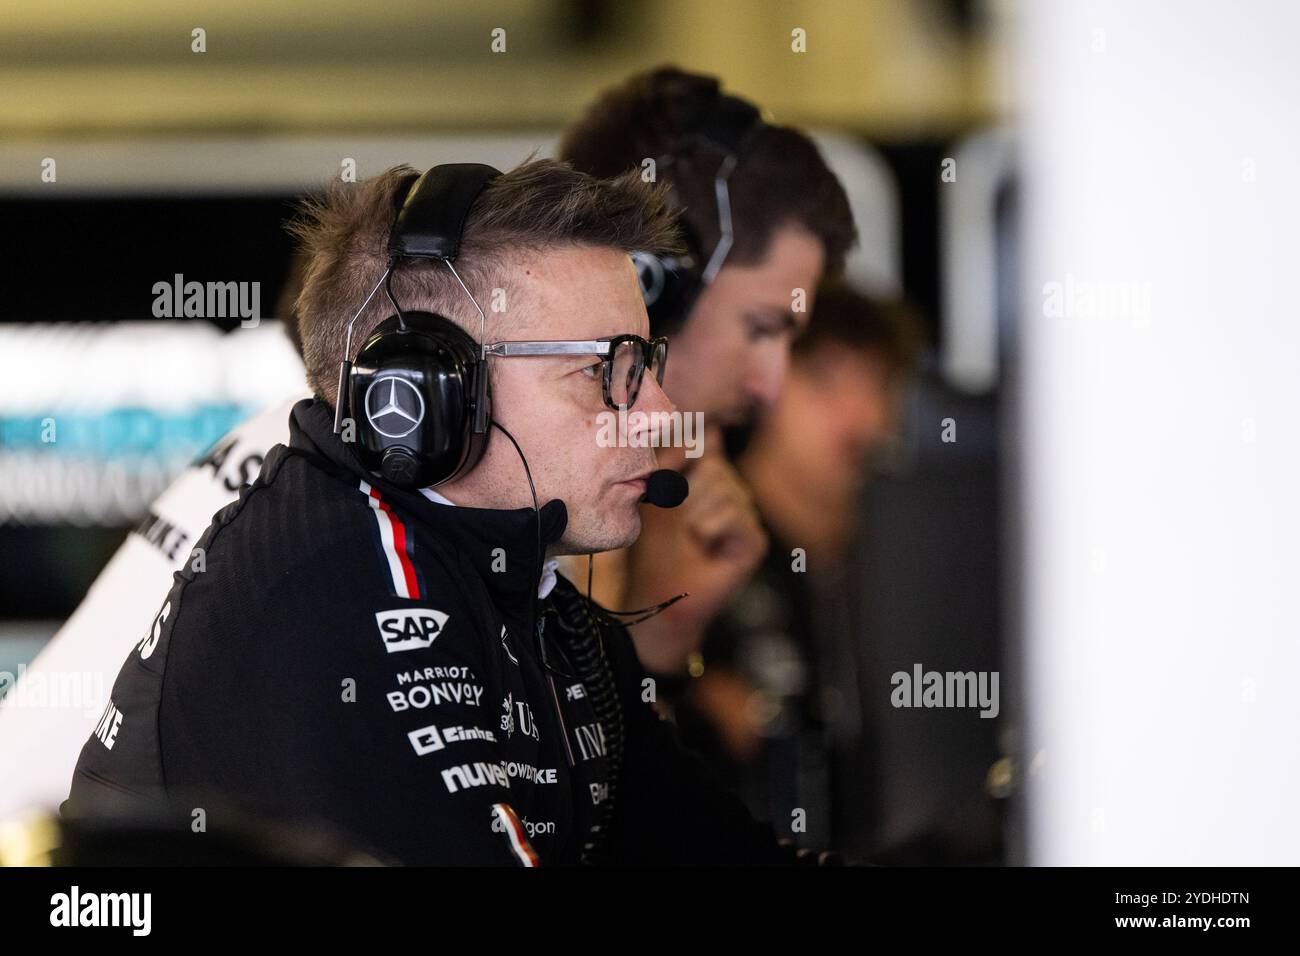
(728, 359)
(764, 220)
(370, 642)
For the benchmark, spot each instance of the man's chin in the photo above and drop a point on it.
(622, 532)
(612, 535)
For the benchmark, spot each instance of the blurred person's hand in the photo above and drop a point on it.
(706, 547)
(735, 709)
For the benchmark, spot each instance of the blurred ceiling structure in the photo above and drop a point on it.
(891, 69)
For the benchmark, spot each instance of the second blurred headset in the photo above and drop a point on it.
(671, 284)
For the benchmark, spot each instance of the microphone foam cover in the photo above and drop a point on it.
(666, 488)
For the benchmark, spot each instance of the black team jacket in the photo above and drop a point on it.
(341, 654)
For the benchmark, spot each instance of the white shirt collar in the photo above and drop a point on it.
(434, 496)
(548, 569)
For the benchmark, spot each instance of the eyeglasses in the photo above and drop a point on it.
(624, 357)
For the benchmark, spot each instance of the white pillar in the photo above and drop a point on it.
(1161, 444)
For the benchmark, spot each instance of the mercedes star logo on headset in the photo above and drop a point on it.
(401, 410)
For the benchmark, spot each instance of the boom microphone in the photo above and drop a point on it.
(666, 488)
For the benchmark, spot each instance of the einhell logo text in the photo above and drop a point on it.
(102, 909)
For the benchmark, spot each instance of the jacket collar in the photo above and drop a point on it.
(501, 545)
(549, 569)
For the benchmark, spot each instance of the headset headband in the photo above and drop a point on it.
(432, 218)
(727, 123)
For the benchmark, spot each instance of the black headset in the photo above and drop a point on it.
(671, 284)
(418, 389)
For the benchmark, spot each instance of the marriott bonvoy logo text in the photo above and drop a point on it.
(103, 909)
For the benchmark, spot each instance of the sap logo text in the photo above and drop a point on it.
(409, 628)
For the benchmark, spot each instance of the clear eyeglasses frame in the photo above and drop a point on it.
(624, 359)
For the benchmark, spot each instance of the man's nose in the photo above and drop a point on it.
(652, 397)
(766, 376)
(655, 407)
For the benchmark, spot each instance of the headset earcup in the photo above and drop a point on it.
(668, 290)
(681, 288)
(414, 392)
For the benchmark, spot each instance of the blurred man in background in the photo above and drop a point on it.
(778, 708)
(764, 220)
